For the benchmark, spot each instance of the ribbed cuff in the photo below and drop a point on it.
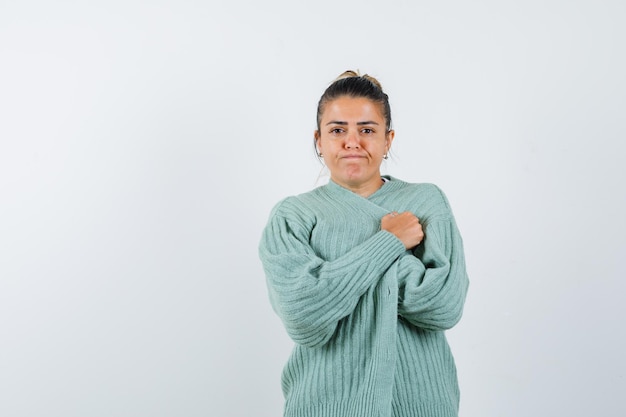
(352, 408)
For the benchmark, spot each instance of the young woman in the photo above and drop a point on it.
(366, 273)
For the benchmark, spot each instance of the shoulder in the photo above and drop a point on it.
(431, 192)
(300, 207)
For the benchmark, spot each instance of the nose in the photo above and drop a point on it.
(352, 141)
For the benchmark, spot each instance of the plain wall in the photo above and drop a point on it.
(143, 144)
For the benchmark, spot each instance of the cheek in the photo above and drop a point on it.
(377, 151)
(328, 146)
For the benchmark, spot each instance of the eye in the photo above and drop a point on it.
(367, 131)
(336, 131)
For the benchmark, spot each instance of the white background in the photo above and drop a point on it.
(143, 144)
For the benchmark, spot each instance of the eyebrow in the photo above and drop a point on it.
(338, 122)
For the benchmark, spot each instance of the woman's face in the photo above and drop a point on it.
(353, 139)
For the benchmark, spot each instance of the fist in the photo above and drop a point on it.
(405, 226)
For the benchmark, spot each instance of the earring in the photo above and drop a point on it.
(321, 155)
(385, 156)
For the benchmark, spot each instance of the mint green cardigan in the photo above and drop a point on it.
(366, 315)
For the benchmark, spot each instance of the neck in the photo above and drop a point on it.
(364, 189)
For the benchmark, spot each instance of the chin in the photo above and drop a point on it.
(354, 180)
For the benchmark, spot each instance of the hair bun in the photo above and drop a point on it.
(352, 73)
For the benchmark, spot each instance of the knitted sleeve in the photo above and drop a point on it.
(310, 294)
(433, 283)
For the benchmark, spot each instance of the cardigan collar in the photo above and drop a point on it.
(390, 185)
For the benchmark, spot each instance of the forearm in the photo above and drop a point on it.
(310, 294)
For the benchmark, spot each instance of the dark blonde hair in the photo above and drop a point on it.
(352, 84)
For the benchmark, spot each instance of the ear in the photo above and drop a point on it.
(318, 142)
(390, 135)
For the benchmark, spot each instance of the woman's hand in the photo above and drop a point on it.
(405, 226)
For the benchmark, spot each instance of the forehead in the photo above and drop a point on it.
(353, 108)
